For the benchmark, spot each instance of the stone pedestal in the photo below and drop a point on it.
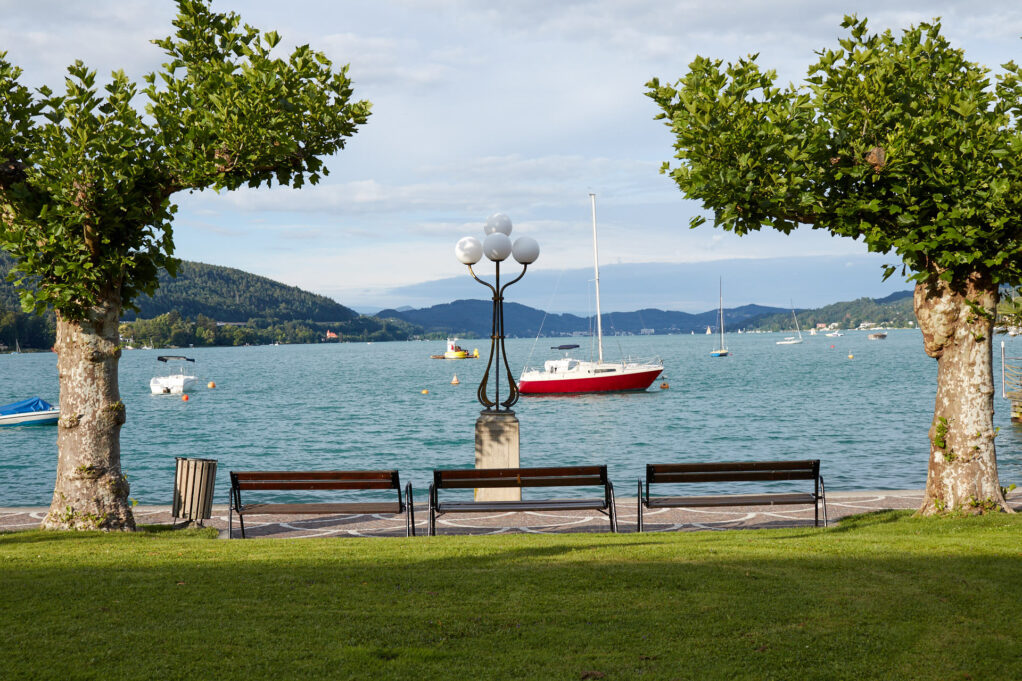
(497, 447)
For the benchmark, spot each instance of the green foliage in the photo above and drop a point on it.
(172, 330)
(86, 179)
(897, 140)
(895, 311)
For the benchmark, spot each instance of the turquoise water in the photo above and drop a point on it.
(350, 406)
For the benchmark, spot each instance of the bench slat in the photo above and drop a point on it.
(514, 481)
(320, 508)
(732, 500)
(537, 505)
(315, 475)
(805, 464)
(732, 476)
(314, 484)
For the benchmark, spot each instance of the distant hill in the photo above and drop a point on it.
(221, 293)
(229, 295)
(473, 318)
(894, 310)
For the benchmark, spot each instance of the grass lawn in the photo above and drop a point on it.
(881, 596)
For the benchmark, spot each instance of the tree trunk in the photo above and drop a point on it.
(90, 493)
(957, 324)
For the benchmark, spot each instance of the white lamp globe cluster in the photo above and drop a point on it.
(497, 245)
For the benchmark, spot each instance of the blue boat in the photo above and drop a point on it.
(30, 412)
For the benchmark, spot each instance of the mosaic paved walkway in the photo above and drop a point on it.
(839, 504)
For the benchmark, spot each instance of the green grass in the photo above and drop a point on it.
(882, 596)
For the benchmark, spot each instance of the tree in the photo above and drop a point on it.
(899, 141)
(85, 188)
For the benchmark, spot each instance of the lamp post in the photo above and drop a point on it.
(497, 432)
(497, 247)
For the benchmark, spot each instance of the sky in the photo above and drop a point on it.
(522, 107)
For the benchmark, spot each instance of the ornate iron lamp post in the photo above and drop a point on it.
(497, 247)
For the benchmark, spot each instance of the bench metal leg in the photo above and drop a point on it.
(431, 527)
(230, 515)
(410, 515)
(823, 498)
(639, 498)
(613, 507)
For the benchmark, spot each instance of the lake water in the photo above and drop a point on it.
(357, 405)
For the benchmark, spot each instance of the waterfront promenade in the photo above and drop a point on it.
(839, 504)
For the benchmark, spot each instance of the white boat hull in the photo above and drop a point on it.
(32, 418)
(171, 385)
(572, 376)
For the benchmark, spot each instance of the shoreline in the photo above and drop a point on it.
(839, 505)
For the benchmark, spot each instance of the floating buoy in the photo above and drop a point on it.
(665, 385)
(211, 385)
(184, 398)
(831, 347)
(425, 392)
(475, 353)
(455, 381)
(851, 356)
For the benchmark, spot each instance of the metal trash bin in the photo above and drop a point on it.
(193, 489)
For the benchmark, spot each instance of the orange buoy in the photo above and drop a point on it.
(851, 356)
(184, 398)
(425, 392)
(211, 385)
(665, 385)
(455, 381)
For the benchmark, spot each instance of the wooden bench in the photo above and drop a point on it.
(734, 471)
(318, 480)
(564, 476)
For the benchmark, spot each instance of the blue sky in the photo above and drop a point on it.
(521, 107)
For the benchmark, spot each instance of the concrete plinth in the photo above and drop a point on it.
(497, 447)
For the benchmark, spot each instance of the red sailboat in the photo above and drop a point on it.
(570, 375)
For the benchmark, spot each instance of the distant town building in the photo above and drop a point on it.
(647, 332)
(330, 334)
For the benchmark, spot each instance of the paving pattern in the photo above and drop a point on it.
(839, 504)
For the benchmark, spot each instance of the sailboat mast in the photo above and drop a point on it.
(720, 306)
(596, 269)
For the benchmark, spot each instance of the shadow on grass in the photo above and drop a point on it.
(687, 606)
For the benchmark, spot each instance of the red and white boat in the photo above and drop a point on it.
(570, 375)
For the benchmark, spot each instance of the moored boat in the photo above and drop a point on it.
(569, 375)
(173, 384)
(455, 351)
(31, 412)
(879, 335)
(722, 351)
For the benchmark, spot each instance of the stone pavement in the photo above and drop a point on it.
(839, 504)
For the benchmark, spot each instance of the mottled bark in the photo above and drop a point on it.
(90, 492)
(957, 324)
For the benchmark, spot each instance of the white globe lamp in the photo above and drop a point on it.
(525, 250)
(469, 250)
(497, 246)
(498, 222)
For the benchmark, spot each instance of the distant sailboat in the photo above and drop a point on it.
(722, 351)
(792, 340)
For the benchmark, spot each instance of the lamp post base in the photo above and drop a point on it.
(497, 446)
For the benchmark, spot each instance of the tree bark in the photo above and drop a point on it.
(90, 492)
(957, 324)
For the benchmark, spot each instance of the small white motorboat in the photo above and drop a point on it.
(30, 412)
(174, 384)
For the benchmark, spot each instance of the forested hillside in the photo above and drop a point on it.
(212, 305)
(894, 310)
(229, 295)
